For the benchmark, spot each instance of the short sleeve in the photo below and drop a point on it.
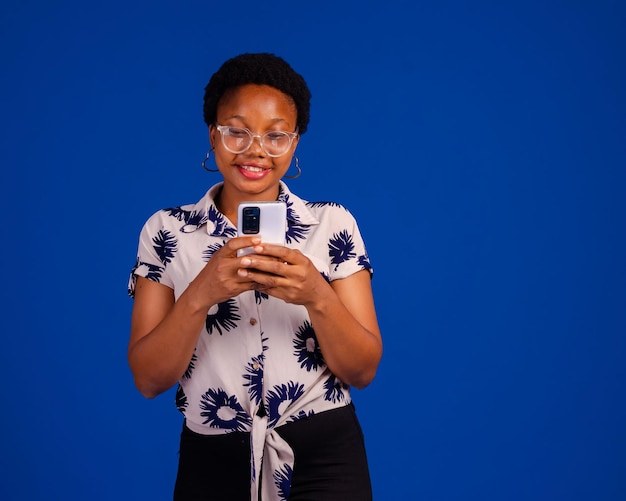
(149, 265)
(346, 248)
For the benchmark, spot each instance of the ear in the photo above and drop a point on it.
(212, 132)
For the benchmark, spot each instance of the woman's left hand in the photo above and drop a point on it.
(342, 312)
(283, 273)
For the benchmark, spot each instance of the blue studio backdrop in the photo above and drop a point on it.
(482, 148)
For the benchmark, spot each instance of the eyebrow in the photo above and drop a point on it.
(243, 119)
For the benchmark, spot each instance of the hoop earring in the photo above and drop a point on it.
(208, 155)
(297, 167)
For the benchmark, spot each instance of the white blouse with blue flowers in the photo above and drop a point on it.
(253, 348)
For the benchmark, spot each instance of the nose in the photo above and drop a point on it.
(256, 145)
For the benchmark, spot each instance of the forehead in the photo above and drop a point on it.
(257, 101)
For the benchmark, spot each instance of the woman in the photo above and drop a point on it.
(264, 346)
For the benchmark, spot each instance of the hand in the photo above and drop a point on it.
(219, 280)
(283, 273)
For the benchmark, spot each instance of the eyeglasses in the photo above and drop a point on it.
(275, 143)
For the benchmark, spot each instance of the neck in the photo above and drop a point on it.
(227, 201)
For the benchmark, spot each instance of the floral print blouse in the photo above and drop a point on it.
(257, 364)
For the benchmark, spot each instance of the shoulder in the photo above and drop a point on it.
(188, 217)
(172, 217)
(305, 212)
(330, 212)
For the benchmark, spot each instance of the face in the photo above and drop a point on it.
(253, 175)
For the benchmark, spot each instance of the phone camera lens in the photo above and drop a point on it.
(251, 220)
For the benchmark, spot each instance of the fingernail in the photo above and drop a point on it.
(246, 262)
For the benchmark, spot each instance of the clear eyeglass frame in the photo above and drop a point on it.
(239, 133)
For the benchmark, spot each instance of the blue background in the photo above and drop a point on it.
(482, 147)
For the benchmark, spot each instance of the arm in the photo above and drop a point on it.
(342, 313)
(164, 332)
(347, 330)
(163, 336)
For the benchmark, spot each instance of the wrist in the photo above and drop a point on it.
(322, 298)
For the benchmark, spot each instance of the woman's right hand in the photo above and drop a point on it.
(219, 280)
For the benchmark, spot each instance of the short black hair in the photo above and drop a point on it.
(259, 69)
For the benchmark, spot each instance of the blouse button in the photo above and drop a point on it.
(256, 366)
(253, 321)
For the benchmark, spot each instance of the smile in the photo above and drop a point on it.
(251, 168)
(253, 171)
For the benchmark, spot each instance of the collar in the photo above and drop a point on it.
(206, 213)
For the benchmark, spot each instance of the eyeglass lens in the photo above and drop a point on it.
(238, 140)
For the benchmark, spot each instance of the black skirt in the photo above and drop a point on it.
(330, 463)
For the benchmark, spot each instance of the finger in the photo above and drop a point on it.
(263, 264)
(281, 253)
(237, 243)
(265, 281)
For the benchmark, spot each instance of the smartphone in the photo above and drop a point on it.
(267, 220)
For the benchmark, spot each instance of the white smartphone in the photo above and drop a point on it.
(267, 220)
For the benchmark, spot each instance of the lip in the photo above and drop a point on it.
(253, 171)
